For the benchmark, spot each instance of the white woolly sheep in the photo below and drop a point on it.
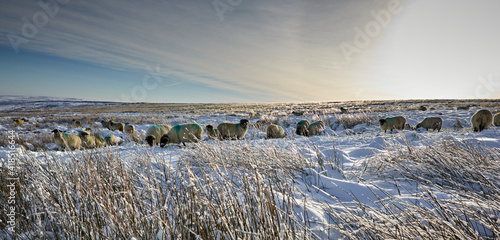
(212, 132)
(155, 132)
(496, 119)
(392, 123)
(89, 141)
(481, 120)
(233, 130)
(302, 126)
(65, 140)
(431, 123)
(110, 140)
(113, 126)
(76, 123)
(129, 129)
(275, 131)
(182, 133)
(315, 128)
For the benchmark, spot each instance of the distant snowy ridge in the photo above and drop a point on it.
(10, 102)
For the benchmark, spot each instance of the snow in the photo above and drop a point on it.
(334, 185)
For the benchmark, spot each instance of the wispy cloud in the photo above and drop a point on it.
(264, 48)
(277, 50)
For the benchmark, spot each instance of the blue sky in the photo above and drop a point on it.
(255, 51)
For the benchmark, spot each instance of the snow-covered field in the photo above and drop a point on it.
(351, 183)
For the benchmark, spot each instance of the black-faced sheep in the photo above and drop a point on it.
(105, 124)
(431, 123)
(302, 126)
(392, 123)
(65, 140)
(481, 120)
(110, 140)
(496, 120)
(275, 131)
(155, 132)
(212, 132)
(315, 128)
(76, 123)
(182, 133)
(233, 130)
(20, 121)
(89, 141)
(113, 126)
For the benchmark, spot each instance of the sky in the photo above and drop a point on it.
(250, 51)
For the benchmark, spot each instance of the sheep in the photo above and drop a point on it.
(113, 126)
(89, 141)
(105, 124)
(212, 132)
(392, 123)
(431, 123)
(129, 129)
(155, 132)
(76, 123)
(302, 127)
(496, 120)
(66, 140)
(20, 121)
(182, 133)
(481, 120)
(233, 130)
(275, 131)
(110, 139)
(315, 128)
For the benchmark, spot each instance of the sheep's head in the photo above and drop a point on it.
(83, 134)
(150, 140)
(302, 130)
(164, 140)
(56, 132)
(244, 123)
(382, 122)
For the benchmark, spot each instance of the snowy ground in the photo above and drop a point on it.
(339, 177)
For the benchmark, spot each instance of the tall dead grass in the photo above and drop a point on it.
(227, 191)
(447, 190)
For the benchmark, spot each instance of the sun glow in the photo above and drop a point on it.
(439, 49)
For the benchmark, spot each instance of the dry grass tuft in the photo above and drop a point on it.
(454, 194)
(348, 121)
(225, 191)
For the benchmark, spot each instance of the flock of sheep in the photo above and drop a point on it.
(481, 120)
(164, 134)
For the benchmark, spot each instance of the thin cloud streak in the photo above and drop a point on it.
(263, 50)
(259, 49)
